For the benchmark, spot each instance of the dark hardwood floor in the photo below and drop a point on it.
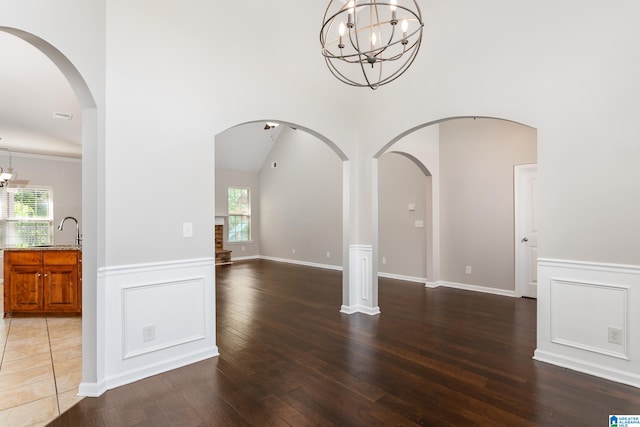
(434, 357)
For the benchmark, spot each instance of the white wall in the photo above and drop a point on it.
(301, 201)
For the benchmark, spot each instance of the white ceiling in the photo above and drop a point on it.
(245, 147)
(32, 88)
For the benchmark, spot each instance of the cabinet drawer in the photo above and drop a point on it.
(24, 257)
(60, 257)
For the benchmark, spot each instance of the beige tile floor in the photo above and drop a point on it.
(40, 368)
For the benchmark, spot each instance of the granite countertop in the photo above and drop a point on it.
(47, 248)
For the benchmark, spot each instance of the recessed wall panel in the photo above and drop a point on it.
(581, 314)
(174, 311)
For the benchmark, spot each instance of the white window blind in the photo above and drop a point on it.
(27, 216)
(239, 211)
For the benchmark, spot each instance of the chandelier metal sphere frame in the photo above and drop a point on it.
(370, 43)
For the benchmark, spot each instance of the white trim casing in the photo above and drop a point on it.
(175, 299)
(578, 304)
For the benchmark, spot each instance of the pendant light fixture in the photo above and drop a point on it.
(8, 175)
(368, 43)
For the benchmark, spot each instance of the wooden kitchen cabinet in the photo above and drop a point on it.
(42, 281)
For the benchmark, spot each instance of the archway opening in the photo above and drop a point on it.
(298, 186)
(471, 159)
(92, 196)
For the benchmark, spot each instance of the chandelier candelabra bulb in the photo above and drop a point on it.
(393, 6)
(350, 13)
(405, 26)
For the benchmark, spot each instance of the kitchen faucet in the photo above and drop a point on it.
(78, 235)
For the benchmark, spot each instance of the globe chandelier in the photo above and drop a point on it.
(370, 43)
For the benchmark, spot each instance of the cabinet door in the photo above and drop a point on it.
(26, 289)
(61, 288)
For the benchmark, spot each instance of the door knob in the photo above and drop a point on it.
(525, 239)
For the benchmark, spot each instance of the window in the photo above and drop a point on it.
(27, 217)
(239, 211)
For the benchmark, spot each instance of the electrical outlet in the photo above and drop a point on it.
(187, 229)
(148, 333)
(384, 260)
(467, 269)
(243, 248)
(293, 251)
(328, 254)
(615, 335)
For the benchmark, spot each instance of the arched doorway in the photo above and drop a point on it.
(471, 160)
(303, 174)
(92, 201)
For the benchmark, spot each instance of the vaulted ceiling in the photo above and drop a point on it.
(39, 112)
(245, 147)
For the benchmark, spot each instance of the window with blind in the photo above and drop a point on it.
(239, 211)
(27, 217)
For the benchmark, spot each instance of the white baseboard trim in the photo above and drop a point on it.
(360, 309)
(422, 280)
(91, 389)
(298, 262)
(585, 367)
(244, 258)
(467, 287)
(96, 389)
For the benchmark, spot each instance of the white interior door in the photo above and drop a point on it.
(526, 230)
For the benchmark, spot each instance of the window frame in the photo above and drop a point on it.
(245, 217)
(11, 224)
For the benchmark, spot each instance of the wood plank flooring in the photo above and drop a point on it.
(434, 357)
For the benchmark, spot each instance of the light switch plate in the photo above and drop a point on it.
(187, 229)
